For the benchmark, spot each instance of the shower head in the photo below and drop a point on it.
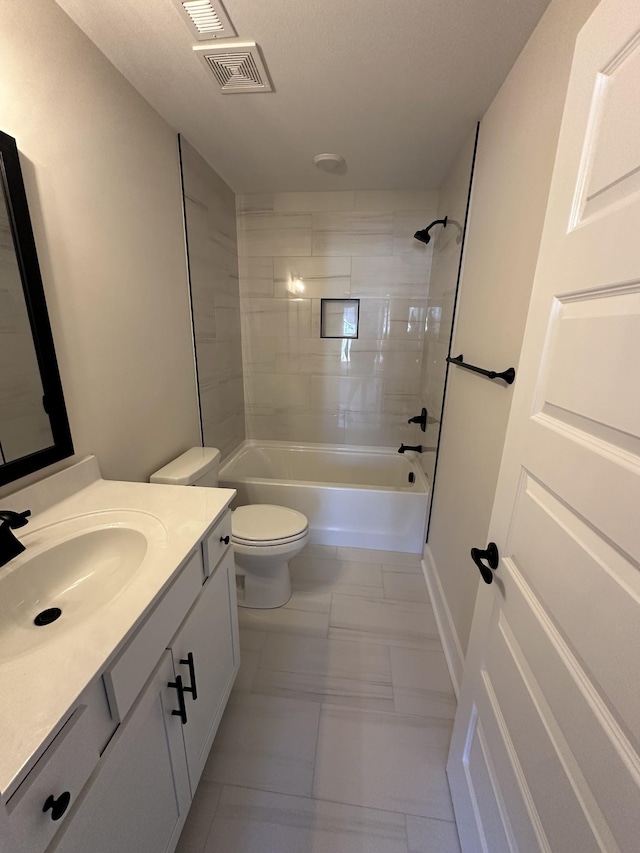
(424, 235)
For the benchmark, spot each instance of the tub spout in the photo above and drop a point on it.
(404, 447)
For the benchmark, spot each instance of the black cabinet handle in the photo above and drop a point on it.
(182, 708)
(188, 661)
(225, 539)
(492, 557)
(58, 807)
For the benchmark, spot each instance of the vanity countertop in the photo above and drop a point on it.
(40, 685)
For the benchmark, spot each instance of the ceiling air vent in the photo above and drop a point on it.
(205, 19)
(237, 67)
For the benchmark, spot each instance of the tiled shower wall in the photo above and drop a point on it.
(299, 387)
(447, 248)
(213, 272)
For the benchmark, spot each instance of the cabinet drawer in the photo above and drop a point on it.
(134, 666)
(217, 543)
(60, 773)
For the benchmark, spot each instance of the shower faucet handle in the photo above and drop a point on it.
(404, 447)
(420, 419)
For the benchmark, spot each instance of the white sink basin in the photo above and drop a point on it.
(78, 575)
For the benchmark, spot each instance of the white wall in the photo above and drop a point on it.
(101, 174)
(518, 137)
(298, 386)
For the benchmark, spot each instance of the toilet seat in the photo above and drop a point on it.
(262, 525)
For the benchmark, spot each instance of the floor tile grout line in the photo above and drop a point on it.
(213, 818)
(325, 800)
(406, 831)
(315, 755)
(425, 718)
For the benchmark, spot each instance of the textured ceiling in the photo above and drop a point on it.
(395, 87)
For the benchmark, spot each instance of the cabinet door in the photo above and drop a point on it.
(140, 798)
(210, 635)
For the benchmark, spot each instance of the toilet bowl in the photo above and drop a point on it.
(264, 536)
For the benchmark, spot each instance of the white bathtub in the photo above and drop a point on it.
(358, 497)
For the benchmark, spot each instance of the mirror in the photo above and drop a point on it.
(34, 429)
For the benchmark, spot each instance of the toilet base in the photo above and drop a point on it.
(263, 591)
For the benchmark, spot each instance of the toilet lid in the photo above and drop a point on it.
(267, 524)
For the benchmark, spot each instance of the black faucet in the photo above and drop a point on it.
(10, 547)
(420, 419)
(417, 448)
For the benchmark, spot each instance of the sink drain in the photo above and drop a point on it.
(46, 617)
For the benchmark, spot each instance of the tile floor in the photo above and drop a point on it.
(335, 737)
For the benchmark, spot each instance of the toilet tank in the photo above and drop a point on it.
(196, 467)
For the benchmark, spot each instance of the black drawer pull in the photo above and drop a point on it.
(225, 539)
(182, 712)
(492, 557)
(58, 807)
(188, 661)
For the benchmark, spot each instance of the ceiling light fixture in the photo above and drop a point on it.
(330, 162)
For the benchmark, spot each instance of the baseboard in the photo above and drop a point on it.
(448, 633)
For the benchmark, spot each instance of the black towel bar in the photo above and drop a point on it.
(507, 375)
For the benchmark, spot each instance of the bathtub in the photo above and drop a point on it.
(359, 497)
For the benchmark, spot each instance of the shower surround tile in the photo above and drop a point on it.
(345, 245)
(405, 225)
(320, 427)
(276, 317)
(211, 236)
(255, 203)
(400, 275)
(345, 393)
(425, 200)
(321, 277)
(276, 241)
(313, 202)
(281, 392)
(256, 276)
(276, 222)
(256, 821)
(352, 233)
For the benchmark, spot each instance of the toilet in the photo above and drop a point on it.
(265, 537)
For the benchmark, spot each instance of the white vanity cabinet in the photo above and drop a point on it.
(167, 690)
(205, 657)
(140, 796)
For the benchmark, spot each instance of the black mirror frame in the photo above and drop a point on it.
(53, 401)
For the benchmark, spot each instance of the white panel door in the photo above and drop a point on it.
(545, 751)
